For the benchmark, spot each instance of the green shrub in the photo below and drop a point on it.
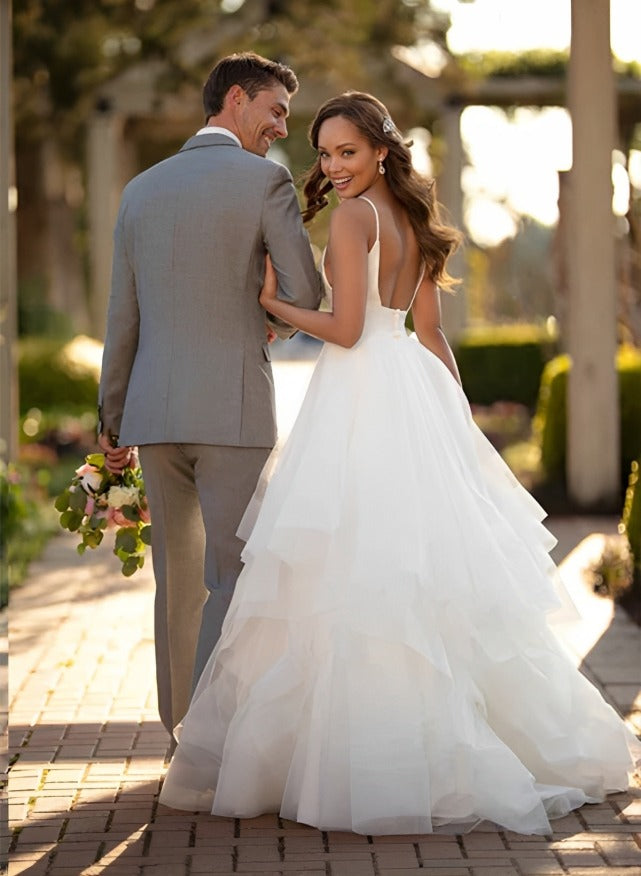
(631, 518)
(550, 422)
(631, 526)
(49, 378)
(504, 363)
(26, 524)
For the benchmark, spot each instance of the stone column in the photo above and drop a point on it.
(593, 411)
(450, 195)
(8, 203)
(103, 192)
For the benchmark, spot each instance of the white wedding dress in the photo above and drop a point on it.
(387, 663)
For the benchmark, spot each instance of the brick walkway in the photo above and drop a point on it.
(89, 755)
(88, 752)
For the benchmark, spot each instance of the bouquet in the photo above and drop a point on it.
(97, 499)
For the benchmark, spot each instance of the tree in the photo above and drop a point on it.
(66, 52)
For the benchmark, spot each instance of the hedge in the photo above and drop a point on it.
(550, 422)
(504, 363)
(631, 519)
(50, 378)
(631, 526)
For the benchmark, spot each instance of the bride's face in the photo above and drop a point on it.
(347, 158)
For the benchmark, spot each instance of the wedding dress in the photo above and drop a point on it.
(387, 664)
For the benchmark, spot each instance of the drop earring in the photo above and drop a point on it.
(381, 167)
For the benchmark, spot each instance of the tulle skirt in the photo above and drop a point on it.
(389, 663)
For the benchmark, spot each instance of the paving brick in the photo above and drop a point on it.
(437, 871)
(28, 868)
(604, 871)
(579, 859)
(251, 853)
(38, 833)
(353, 868)
(506, 870)
(75, 857)
(536, 867)
(164, 869)
(210, 863)
(431, 850)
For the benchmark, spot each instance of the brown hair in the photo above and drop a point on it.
(436, 240)
(251, 71)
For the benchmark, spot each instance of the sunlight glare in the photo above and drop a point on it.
(545, 24)
(421, 160)
(516, 161)
(620, 185)
(634, 168)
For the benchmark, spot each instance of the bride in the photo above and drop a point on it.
(388, 663)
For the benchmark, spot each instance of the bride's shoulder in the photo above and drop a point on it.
(350, 213)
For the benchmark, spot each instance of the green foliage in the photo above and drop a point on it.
(504, 363)
(535, 62)
(346, 43)
(630, 526)
(25, 526)
(36, 316)
(550, 422)
(48, 380)
(64, 52)
(631, 518)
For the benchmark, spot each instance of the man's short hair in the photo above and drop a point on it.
(251, 71)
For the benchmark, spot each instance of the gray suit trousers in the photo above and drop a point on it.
(197, 494)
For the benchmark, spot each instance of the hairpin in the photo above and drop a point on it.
(388, 126)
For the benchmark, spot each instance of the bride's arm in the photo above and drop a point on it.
(426, 314)
(348, 244)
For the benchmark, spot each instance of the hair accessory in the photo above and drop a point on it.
(388, 126)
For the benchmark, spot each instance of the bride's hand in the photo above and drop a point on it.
(270, 284)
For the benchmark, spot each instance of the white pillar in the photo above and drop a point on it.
(593, 410)
(450, 195)
(103, 192)
(8, 356)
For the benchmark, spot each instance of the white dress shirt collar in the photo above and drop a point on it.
(215, 129)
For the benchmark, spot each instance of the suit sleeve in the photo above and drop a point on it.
(287, 242)
(121, 339)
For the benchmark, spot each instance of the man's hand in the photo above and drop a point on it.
(116, 458)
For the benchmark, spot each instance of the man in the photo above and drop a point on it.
(186, 374)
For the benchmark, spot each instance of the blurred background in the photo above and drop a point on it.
(529, 116)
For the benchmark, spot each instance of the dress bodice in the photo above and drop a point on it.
(377, 316)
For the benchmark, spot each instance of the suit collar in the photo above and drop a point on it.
(212, 139)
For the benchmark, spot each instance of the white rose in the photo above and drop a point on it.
(119, 496)
(90, 479)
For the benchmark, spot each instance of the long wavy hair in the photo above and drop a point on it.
(435, 239)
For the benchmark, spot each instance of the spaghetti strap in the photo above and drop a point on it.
(373, 206)
(418, 286)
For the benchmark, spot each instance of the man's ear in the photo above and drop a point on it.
(235, 96)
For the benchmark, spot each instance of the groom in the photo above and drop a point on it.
(186, 371)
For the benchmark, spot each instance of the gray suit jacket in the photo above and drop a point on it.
(185, 357)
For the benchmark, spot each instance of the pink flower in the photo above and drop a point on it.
(119, 518)
(89, 507)
(145, 516)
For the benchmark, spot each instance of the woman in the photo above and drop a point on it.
(386, 665)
